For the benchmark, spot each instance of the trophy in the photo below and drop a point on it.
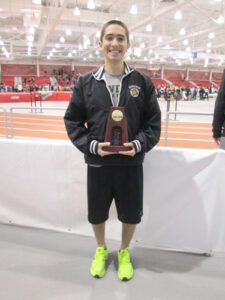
(116, 130)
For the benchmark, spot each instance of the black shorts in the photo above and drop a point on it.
(124, 184)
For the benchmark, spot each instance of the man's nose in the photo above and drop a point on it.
(115, 41)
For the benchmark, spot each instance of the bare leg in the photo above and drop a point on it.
(127, 234)
(99, 230)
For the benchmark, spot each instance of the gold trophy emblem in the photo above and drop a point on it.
(117, 115)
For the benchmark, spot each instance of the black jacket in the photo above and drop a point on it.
(90, 103)
(219, 111)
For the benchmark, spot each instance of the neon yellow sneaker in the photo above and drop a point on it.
(98, 266)
(125, 268)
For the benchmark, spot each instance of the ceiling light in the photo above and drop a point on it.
(188, 49)
(69, 54)
(209, 45)
(217, 0)
(53, 50)
(208, 50)
(150, 51)
(90, 55)
(48, 57)
(62, 40)
(32, 30)
(137, 51)
(80, 47)
(68, 32)
(29, 49)
(142, 45)
(133, 10)
(76, 11)
(145, 58)
(98, 34)
(220, 20)
(131, 37)
(57, 45)
(1, 43)
(36, 2)
(91, 4)
(148, 27)
(156, 56)
(74, 51)
(159, 40)
(84, 58)
(97, 52)
(30, 38)
(211, 35)
(161, 60)
(30, 44)
(186, 42)
(182, 32)
(150, 62)
(178, 15)
(167, 47)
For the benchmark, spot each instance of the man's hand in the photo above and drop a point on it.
(131, 152)
(217, 140)
(102, 152)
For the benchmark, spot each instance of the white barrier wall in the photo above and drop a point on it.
(43, 185)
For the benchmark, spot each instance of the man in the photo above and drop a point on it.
(219, 116)
(114, 175)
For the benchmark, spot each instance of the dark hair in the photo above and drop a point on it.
(114, 22)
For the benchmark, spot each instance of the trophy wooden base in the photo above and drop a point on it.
(116, 148)
(116, 130)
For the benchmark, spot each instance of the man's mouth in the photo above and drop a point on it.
(114, 51)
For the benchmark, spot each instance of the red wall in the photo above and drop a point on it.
(217, 76)
(175, 74)
(197, 75)
(19, 70)
(151, 73)
(49, 69)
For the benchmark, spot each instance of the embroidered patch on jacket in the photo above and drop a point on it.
(134, 90)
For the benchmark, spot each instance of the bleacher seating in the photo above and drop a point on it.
(203, 83)
(181, 83)
(8, 80)
(159, 82)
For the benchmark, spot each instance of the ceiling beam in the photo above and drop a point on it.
(54, 24)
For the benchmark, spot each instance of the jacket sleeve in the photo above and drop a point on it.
(219, 110)
(149, 133)
(75, 118)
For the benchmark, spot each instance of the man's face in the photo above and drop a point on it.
(114, 43)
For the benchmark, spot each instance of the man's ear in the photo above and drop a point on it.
(100, 44)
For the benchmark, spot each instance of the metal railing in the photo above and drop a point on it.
(26, 108)
(5, 121)
(180, 113)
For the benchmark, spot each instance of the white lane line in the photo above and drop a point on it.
(195, 140)
(27, 129)
(204, 133)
